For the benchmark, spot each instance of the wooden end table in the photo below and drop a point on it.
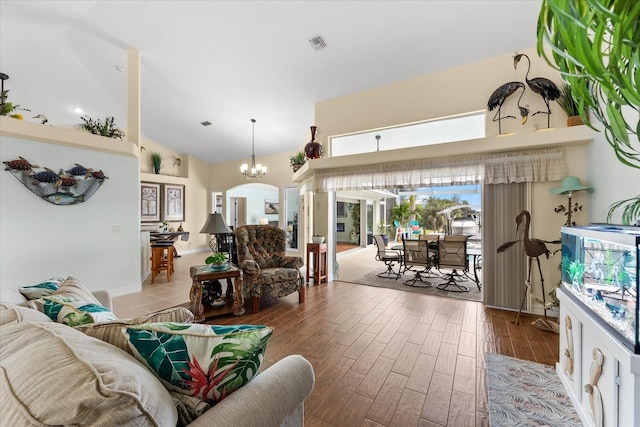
(234, 301)
(318, 253)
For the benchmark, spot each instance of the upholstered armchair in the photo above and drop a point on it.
(266, 270)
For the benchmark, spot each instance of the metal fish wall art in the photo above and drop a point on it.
(70, 187)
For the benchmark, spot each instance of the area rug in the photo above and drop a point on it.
(372, 279)
(523, 393)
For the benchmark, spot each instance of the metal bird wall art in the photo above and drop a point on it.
(533, 248)
(500, 95)
(540, 85)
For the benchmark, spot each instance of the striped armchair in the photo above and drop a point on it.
(266, 270)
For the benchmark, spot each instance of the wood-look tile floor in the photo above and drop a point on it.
(382, 357)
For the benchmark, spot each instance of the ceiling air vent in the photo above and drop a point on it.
(317, 43)
(206, 123)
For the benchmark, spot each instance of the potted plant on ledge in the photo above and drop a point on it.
(156, 162)
(103, 128)
(569, 106)
(297, 161)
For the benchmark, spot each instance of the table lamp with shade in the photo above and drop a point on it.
(263, 221)
(218, 229)
(569, 185)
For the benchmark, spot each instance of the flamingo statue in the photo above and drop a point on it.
(533, 248)
(540, 85)
(500, 95)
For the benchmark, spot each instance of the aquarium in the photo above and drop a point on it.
(600, 270)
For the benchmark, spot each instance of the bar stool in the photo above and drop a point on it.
(161, 258)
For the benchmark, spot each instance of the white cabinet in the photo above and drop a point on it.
(613, 399)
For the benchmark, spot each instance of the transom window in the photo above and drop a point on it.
(437, 131)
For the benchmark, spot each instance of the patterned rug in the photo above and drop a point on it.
(523, 393)
(372, 279)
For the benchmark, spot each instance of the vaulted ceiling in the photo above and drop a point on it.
(230, 61)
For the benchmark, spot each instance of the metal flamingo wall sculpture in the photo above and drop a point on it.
(533, 248)
(500, 95)
(540, 85)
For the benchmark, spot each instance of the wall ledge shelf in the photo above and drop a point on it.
(165, 179)
(540, 139)
(64, 136)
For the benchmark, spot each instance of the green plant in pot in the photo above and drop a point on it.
(382, 230)
(103, 128)
(297, 161)
(216, 261)
(569, 106)
(7, 108)
(594, 45)
(156, 161)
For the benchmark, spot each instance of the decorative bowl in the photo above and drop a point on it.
(220, 267)
(317, 239)
(217, 303)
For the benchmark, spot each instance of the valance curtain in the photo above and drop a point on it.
(530, 166)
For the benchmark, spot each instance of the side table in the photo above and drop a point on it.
(234, 301)
(317, 252)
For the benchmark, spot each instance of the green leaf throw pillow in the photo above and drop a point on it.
(73, 313)
(42, 289)
(207, 361)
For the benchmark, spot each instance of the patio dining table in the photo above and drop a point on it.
(474, 253)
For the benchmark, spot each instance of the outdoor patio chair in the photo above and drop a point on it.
(416, 258)
(400, 231)
(389, 257)
(452, 254)
(415, 229)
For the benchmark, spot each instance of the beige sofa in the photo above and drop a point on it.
(54, 374)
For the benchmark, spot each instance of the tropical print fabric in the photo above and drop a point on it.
(266, 269)
(523, 393)
(205, 361)
(189, 408)
(73, 313)
(42, 289)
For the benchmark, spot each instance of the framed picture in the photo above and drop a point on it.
(340, 212)
(149, 201)
(173, 202)
(271, 207)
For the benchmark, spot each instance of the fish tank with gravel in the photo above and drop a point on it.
(600, 270)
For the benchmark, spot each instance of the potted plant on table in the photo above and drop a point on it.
(217, 261)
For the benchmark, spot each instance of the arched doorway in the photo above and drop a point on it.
(252, 202)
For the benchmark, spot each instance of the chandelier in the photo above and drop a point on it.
(256, 171)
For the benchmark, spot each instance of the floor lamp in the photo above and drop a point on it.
(217, 228)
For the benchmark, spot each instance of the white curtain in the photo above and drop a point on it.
(546, 165)
(542, 165)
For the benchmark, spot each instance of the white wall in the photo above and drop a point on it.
(612, 181)
(41, 240)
